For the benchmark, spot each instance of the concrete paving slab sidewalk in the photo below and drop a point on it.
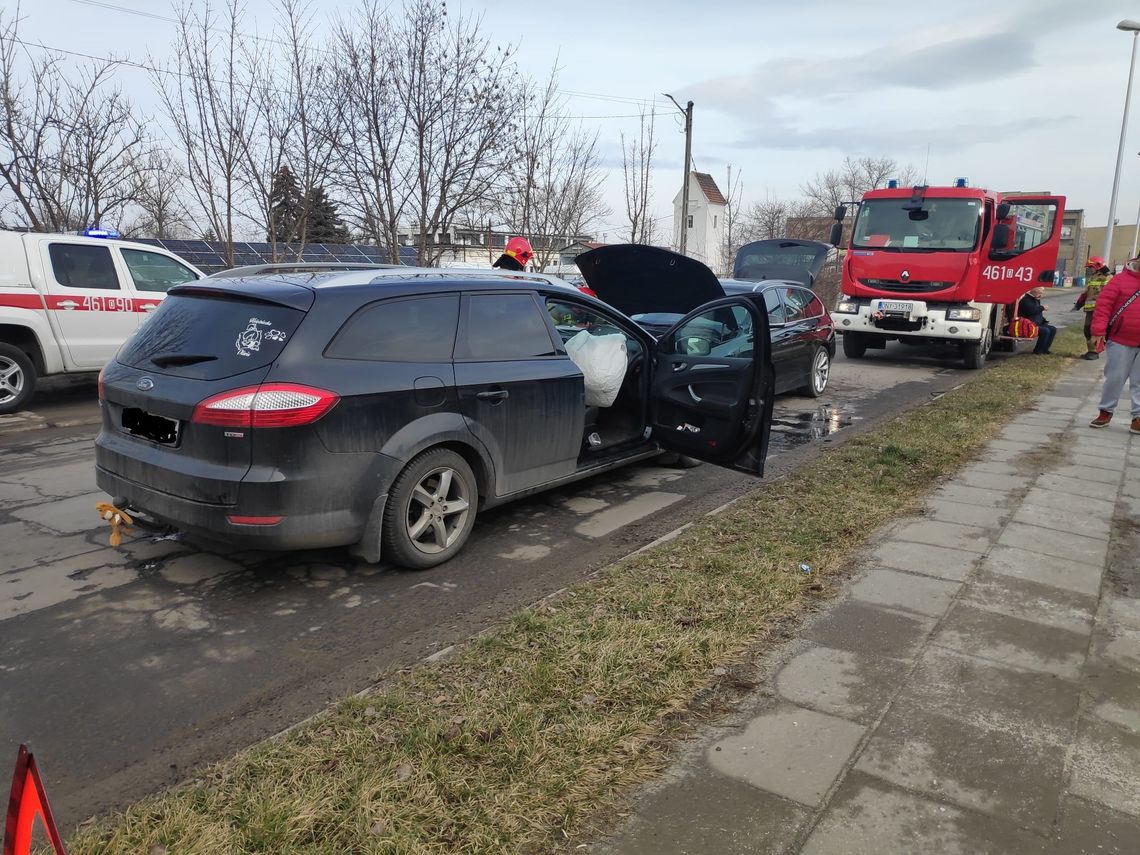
(975, 689)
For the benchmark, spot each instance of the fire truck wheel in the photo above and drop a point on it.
(974, 353)
(854, 345)
(17, 378)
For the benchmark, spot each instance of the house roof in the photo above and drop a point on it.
(709, 188)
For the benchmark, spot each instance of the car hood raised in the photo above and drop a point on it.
(781, 258)
(638, 279)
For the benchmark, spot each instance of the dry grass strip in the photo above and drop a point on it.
(531, 729)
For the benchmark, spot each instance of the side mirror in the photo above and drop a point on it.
(841, 212)
(1001, 237)
(695, 346)
(836, 234)
(1003, 211)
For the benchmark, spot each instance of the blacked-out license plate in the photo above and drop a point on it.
(148, 426)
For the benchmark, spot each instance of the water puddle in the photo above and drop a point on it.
(793, 429)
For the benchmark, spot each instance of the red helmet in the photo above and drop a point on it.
(519, 249)
(1095, 261)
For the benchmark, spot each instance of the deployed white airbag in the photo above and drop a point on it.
(602, 360)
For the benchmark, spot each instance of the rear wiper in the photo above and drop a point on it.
(165, 360)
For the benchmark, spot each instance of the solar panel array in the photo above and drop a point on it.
(209, 256)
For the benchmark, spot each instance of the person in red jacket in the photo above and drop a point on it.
(1117, 319)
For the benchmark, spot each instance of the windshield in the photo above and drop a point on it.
(779, 259)
(939, 224)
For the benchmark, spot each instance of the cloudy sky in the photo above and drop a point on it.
(1025, 94)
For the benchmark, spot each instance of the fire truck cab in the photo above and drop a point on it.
(944, 265)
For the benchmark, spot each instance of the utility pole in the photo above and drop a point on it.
(687, 112)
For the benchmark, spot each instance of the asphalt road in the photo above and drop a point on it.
(127, 669)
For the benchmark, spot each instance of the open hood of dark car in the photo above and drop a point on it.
(781, 258)
(638, 279)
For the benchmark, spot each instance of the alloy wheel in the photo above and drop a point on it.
(820, 371)
(438, 511)
(11, 380)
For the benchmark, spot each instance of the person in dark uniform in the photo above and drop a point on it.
(1030, 308)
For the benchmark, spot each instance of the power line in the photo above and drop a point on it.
(155, 16)
(620, 99)
(140, 12)
(154, 69)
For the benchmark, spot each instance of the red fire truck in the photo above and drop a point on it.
(943, 265)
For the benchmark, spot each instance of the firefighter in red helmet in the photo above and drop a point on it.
(516, 256)
(1097, 272)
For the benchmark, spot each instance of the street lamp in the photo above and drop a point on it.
(1129, 26)
(1136, 236)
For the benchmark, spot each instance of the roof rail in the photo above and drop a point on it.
(299, 267)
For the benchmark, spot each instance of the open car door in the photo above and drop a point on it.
(712, 385)
(1021, 249)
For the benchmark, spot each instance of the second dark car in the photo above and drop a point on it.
(656, 287)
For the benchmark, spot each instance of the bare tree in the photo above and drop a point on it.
(732, 215)
(553, 185)
(773, 218)
(850, 181)
(71, 146)
(210, 97)
(459, 93)
(373, 155)
(160, 200)
(637, 168)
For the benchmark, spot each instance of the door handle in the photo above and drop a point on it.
(68, 304)
(680, 366)
(149, 307)
(493, 395)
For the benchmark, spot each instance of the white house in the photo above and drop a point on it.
(705, 238)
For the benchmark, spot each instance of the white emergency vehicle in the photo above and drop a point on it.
(67, 302)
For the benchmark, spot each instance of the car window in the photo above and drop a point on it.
(151, 271)
(421, 329)
(795, 304)
(814, 307)
(724, 332)
(77, 265)
(774, 305)
(504, 326)
(207, 338)
(571, 318)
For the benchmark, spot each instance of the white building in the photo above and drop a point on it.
(705, 238)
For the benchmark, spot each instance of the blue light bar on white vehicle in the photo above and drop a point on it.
(99, 232)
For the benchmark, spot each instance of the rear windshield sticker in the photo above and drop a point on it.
(249, 340)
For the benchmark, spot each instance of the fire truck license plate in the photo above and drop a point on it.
(894, 308)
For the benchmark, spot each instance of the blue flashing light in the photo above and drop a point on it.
(961, 182)
(100, 232)
(893, 184)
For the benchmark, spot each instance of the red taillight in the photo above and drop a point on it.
(586, 289)
(266, 406)
(238, 520)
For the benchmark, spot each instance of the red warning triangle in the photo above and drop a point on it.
(26, 802)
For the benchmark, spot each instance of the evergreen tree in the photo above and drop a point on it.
(285, 206)
(324, 225)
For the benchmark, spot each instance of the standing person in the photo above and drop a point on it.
(1030, 308)
(516, 255)
(1117, 318)
(1097, 272)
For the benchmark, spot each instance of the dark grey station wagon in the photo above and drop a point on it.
(386, 408)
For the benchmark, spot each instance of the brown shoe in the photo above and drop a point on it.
(1135, 428)
(1102, 419)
